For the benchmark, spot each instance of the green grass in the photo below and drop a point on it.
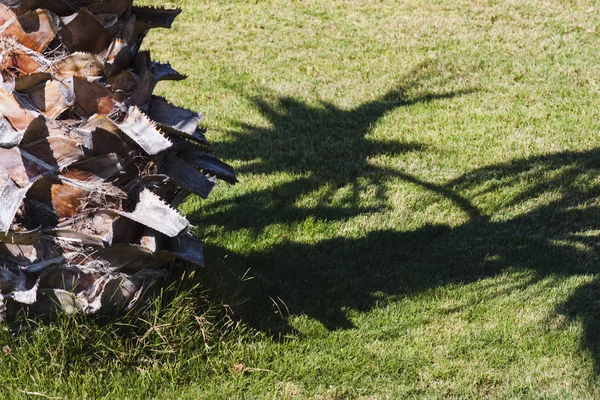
(417, 214)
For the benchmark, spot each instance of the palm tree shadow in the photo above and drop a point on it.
(326, 148)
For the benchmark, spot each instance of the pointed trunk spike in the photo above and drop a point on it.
(34, 29)
(144, 132)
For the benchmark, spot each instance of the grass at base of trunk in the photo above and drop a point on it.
(417, 213)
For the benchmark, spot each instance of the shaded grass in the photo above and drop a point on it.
(417, 214)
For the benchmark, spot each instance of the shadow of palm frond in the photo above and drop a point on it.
(325, 148)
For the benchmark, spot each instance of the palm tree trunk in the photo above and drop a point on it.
(92, 165)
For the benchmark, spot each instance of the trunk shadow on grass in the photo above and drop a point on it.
(323, 280)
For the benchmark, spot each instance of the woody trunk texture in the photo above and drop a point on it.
(92, 165)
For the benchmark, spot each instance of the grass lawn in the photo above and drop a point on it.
(417, 214)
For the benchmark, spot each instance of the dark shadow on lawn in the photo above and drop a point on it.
(328, 278)
(326, 146)
(323, 280)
